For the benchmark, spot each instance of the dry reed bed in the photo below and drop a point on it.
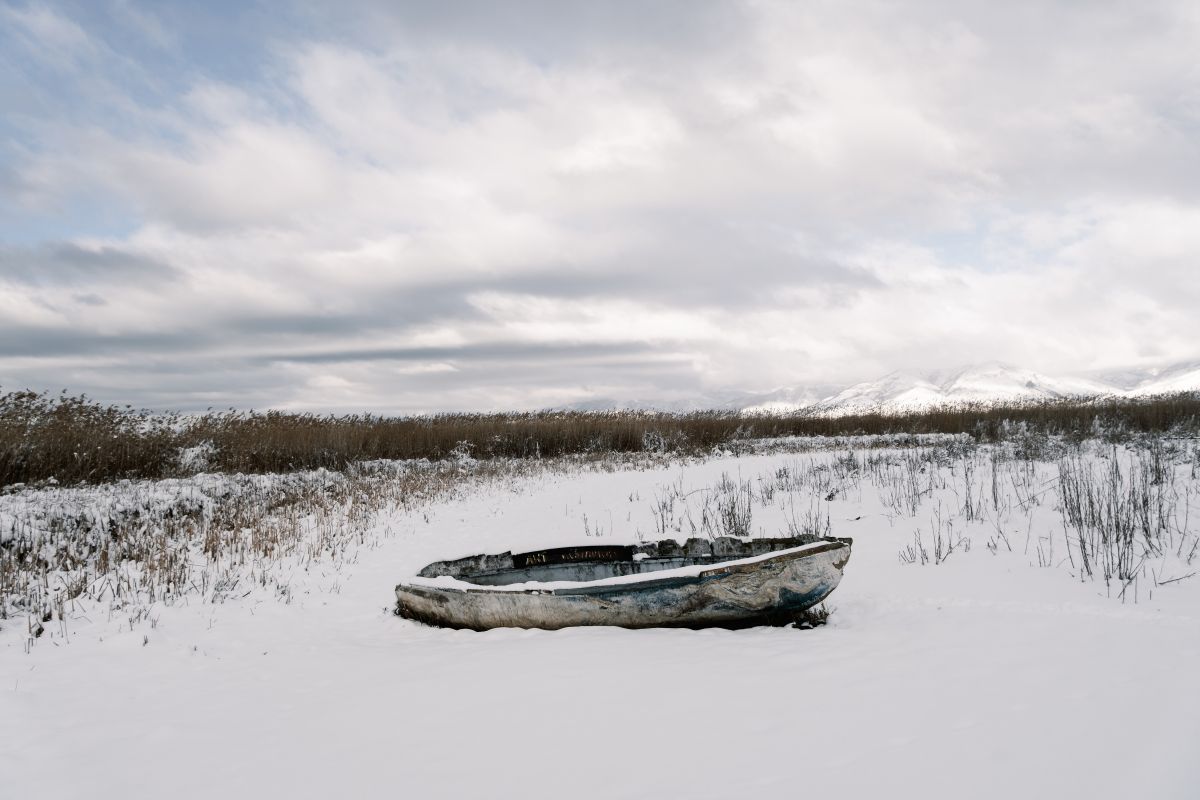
(1127, 515)
(1122, 514)
(73, 439)
(130, 545)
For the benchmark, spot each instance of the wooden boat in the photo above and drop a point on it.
(723, 582)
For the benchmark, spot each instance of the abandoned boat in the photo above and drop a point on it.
(722, 582)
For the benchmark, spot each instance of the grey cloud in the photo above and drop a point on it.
(730, 263)
(199, 382)
(393, 311)
(524, 352)
(68, 264)
(28, 341)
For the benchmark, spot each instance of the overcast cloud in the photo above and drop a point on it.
(414, 206)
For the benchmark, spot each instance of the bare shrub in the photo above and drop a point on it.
(734, 507)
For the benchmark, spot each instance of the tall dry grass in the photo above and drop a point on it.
(72, 439)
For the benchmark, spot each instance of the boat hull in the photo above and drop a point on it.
(770, 589)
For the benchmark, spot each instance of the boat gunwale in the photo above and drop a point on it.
(677, 576)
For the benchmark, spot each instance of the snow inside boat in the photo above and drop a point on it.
(722, 582)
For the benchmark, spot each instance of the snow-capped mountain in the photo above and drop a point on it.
(908, 391)
(782, 401)
(779, 401)
(985, 383)
(1180, 377)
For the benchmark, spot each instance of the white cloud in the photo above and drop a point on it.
(791, 194)
(48, 34)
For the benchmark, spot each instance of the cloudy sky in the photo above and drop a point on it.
(414, 206)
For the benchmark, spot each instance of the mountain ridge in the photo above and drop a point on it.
(915, 390)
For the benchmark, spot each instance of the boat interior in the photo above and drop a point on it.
(593, 563)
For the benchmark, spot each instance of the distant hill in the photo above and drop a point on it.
(909, 391)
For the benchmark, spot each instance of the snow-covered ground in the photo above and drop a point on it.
(1001, 671)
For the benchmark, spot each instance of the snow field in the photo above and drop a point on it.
(996, 667)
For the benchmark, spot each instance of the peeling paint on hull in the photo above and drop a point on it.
(730, 593)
